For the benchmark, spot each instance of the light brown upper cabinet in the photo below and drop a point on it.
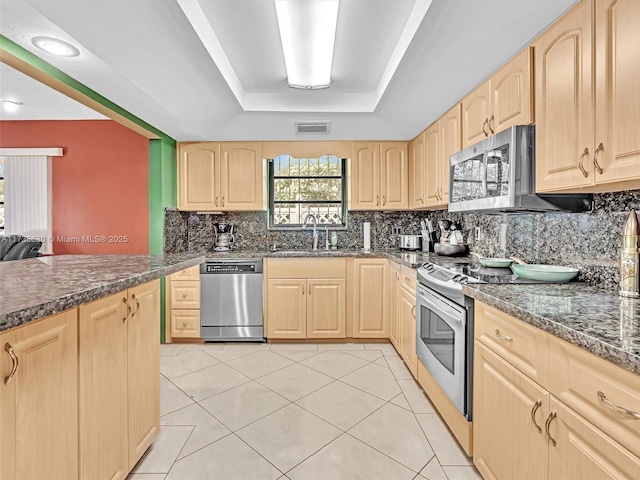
(501, 102)
(438, 142)
(570, 154)
(417, 172)
(379, 176)
(220, 177)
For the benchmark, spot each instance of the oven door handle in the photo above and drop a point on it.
(431, 305)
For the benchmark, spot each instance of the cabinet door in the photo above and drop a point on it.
(371, 308)
(431, 162)
(475, 115)
(618, 91)
(143, 368)
(583, 451)
(563, 99)
(511, 98)
(416, 172)
(407, 312)
(394, 293)
(241, 177)
(39, 405)
(199, 176)
(286, 308)
(103, 399)
(393, 175)
(450, 143)
(326, 308)
(365, 176)
(506, 442)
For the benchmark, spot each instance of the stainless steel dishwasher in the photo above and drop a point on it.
(231, 300)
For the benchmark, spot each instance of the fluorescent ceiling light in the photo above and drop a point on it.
(55, 46)
(11, 105)
(308, 33)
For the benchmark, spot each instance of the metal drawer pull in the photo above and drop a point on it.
(535, 408)
(505, 338)
(184, 295)
(184, 324)
(133, 295)
(413, 311)
(581, 161)
(14, 363)
(486, 122)
(616, 408)
(124, 300)
(595, 159)
(489, 124)
(551, 416)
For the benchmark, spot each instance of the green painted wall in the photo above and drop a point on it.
(162, 154)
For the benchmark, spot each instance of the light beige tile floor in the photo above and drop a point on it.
(312, 412)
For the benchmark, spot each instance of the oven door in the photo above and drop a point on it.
(441, 343)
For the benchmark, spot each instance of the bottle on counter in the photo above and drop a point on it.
(630, 259)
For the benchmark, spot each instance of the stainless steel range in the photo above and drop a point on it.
(444, 340)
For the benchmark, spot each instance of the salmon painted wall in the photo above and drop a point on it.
(100, 185)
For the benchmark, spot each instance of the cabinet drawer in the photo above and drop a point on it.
(185, 294)
(577, 378)
(185, 323)
(409, 279)
(307, 267)
(523, 346)
(191, 273)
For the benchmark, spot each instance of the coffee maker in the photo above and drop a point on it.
(224, 236)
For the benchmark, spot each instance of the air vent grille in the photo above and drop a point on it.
(312, 127)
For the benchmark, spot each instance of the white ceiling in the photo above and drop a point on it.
(146, 56)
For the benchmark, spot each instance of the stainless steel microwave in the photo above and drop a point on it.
(498, 175)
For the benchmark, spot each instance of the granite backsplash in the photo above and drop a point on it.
(589, 241)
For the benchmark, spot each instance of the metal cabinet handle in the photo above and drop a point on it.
(422, 197)
(595, 158)
(216, 200)
(617, 408)
(398, 275)
(14, 363)
(535, 408)
(486, 122)
(377, 200)
(505, 338)
(133, 296)
(303, 287)
(223, 200)
(489, 124)
(580, 162)
(184, 324)
(413, 311)
(124, 300)
(551, 416)
(384, 199)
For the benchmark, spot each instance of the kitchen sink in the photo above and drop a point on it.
(308, 252)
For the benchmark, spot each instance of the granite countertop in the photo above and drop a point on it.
(37, 287)
(597, 320)
(410, 259)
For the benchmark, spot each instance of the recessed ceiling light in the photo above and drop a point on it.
(55, 46)
(10, 105)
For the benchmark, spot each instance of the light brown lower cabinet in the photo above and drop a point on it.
(561, 428)
(119, 380)
(394, 304)
(306, 298)
(183, 304)
(370, 299)
(39, 399)
(407, 333)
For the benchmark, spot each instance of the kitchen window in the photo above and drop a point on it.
(298, 186)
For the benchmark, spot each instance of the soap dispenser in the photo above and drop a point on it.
(629, 259)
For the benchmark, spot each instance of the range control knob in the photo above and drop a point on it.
(463, 280)
(456, 278)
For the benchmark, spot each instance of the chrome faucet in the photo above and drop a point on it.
(315, 231)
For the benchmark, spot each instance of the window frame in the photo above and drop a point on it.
(271, 202)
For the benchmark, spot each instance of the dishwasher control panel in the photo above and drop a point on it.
(221, 268)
